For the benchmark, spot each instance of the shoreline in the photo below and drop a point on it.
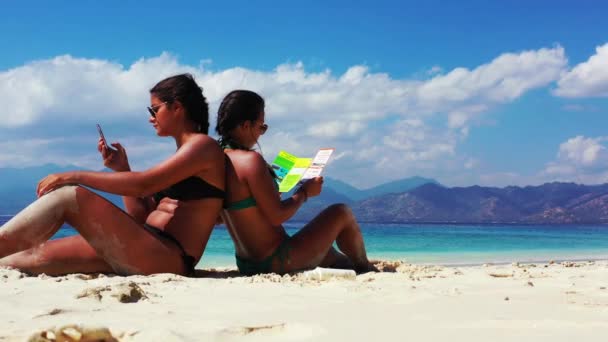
(476, 224)
(233, 268)
(526, 260)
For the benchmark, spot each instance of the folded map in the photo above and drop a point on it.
(291, 170)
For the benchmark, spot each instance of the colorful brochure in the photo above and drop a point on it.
(290, 170)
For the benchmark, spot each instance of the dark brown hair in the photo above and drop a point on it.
(237, 107)
(184, 89)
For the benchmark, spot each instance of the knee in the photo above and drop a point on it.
(342, 210)
(66, 192)
(71, 195)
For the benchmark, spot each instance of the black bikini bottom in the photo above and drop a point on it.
(187, 259)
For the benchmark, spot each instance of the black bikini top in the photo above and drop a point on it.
(191, 188)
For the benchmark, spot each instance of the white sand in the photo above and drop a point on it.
(542, 302)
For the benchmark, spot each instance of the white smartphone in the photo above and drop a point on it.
(103, 139)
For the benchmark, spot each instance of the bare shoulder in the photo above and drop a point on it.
(205, 144)
(246, 160)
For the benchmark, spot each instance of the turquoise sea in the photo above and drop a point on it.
(447, 244)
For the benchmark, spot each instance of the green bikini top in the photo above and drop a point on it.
(249, 201)
(242, 204)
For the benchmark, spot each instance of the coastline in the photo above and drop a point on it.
(559, 301)
(475, 223)
(455, 259)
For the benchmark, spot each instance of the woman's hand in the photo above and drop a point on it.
(54, 181)
(114, 159)
(312, 187)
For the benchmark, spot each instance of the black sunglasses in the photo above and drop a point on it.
(263, 128)
(154, 109)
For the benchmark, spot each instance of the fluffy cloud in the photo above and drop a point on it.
(584, 152)
(588, 79)
(414, 140)
(504, 79)
(376, 122)
(463, 93)
(581, 159)
(66, 88)
(66, 85)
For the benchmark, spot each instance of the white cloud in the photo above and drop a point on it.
(585, 152)
(333, 129)
(504, 79)
(581, 159)
(66, 86)
(379, 123)
(588, 79)
(463, 93)
(460, 117)
(70, 85)
(414, 140)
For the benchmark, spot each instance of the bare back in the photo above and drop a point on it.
(254, 235)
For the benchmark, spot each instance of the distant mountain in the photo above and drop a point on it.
(28, 176)
(314, 205)
(423, 200)
(18, 186)
(336, 191)
(397, 186)
(343, 188)
(555, 203)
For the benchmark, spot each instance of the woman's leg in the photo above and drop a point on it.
(335, 259)
(312, 245)
(116, 238)
(57, 257)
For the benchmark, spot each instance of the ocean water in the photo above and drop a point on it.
(446, 244)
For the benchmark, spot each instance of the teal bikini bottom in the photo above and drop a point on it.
(251, 267)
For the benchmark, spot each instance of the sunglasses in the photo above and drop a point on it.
(263, 128)
(154, 109)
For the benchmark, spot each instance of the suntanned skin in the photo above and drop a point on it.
(257, 231)
(110, 239)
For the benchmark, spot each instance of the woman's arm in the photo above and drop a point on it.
(138, 207)
(262, 188)
(195, 156)
(117, 160)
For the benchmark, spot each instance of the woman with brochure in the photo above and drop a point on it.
(171, 207)
(254, 211)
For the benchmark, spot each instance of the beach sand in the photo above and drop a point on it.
(565, 301)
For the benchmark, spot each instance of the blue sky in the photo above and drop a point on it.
(469, 92)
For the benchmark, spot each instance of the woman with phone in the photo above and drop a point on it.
(170, 208)
(254, 212)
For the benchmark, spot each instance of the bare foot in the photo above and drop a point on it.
(343, 263)
(369, 267)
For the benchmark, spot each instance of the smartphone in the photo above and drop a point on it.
(103, 139)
